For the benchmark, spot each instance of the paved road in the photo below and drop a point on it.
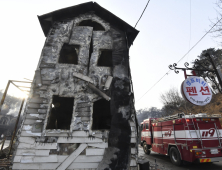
(164, 163)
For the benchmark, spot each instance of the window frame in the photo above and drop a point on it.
(93, 128)
(62, 63)
(46, 131)
(102, 56)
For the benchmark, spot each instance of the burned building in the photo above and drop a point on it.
(80, 113)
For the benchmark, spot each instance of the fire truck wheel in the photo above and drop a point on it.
(175, 156)
(146, 148)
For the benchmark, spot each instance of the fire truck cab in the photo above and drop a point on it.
(185, 138)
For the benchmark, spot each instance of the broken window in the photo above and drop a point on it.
(105, 58)
(60, 115)
(96, 26)
(69, 54)
(101, 115)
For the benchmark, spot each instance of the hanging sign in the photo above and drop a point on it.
(196, 90)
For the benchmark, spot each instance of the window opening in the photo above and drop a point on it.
(69, 54)
(141, 126)
(96, 26)
(147, 125)
(60, 113)
(105, 58)
(101, 115)
(90, 52)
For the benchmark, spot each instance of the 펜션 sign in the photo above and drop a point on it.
(196, 90)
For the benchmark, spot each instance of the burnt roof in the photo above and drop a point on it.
(47, 20)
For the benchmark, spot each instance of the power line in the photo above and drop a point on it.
(190, 30)
(142, 13)
(153, 85)
(180, 59)
(200, 39)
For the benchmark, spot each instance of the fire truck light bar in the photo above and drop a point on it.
(206, 119)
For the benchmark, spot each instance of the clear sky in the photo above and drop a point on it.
(168, 29)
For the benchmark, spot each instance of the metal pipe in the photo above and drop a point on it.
(27, 79)
(20, 81)
(17, 86)
(194, 69)
(24, 87)
(185, 74)
(3, 142)
(4, 95)
(16, 124)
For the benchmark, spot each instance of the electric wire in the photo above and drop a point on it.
(179, 60)
(190, 30)
(200, 39)
(142, 13)
(153, 86)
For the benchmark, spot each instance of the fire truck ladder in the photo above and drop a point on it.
(172, 117)
(201, 142)
(195, 131)
(218, 134)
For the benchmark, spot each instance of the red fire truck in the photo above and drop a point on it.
(185, 138)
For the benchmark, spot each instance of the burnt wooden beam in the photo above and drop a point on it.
(99, 92)
(83, 77)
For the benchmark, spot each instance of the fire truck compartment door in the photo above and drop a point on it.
(157, 133)
(180, 134)
(209, 135)
(168, 134)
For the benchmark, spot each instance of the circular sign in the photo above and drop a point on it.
(196, 90)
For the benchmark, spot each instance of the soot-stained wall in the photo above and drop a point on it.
(47, 140)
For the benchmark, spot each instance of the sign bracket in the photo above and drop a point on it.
(202, 66)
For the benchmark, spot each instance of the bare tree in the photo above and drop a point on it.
(217, 54)
(218, 28)
(171, 97)
(151, 112)
(173, 102)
